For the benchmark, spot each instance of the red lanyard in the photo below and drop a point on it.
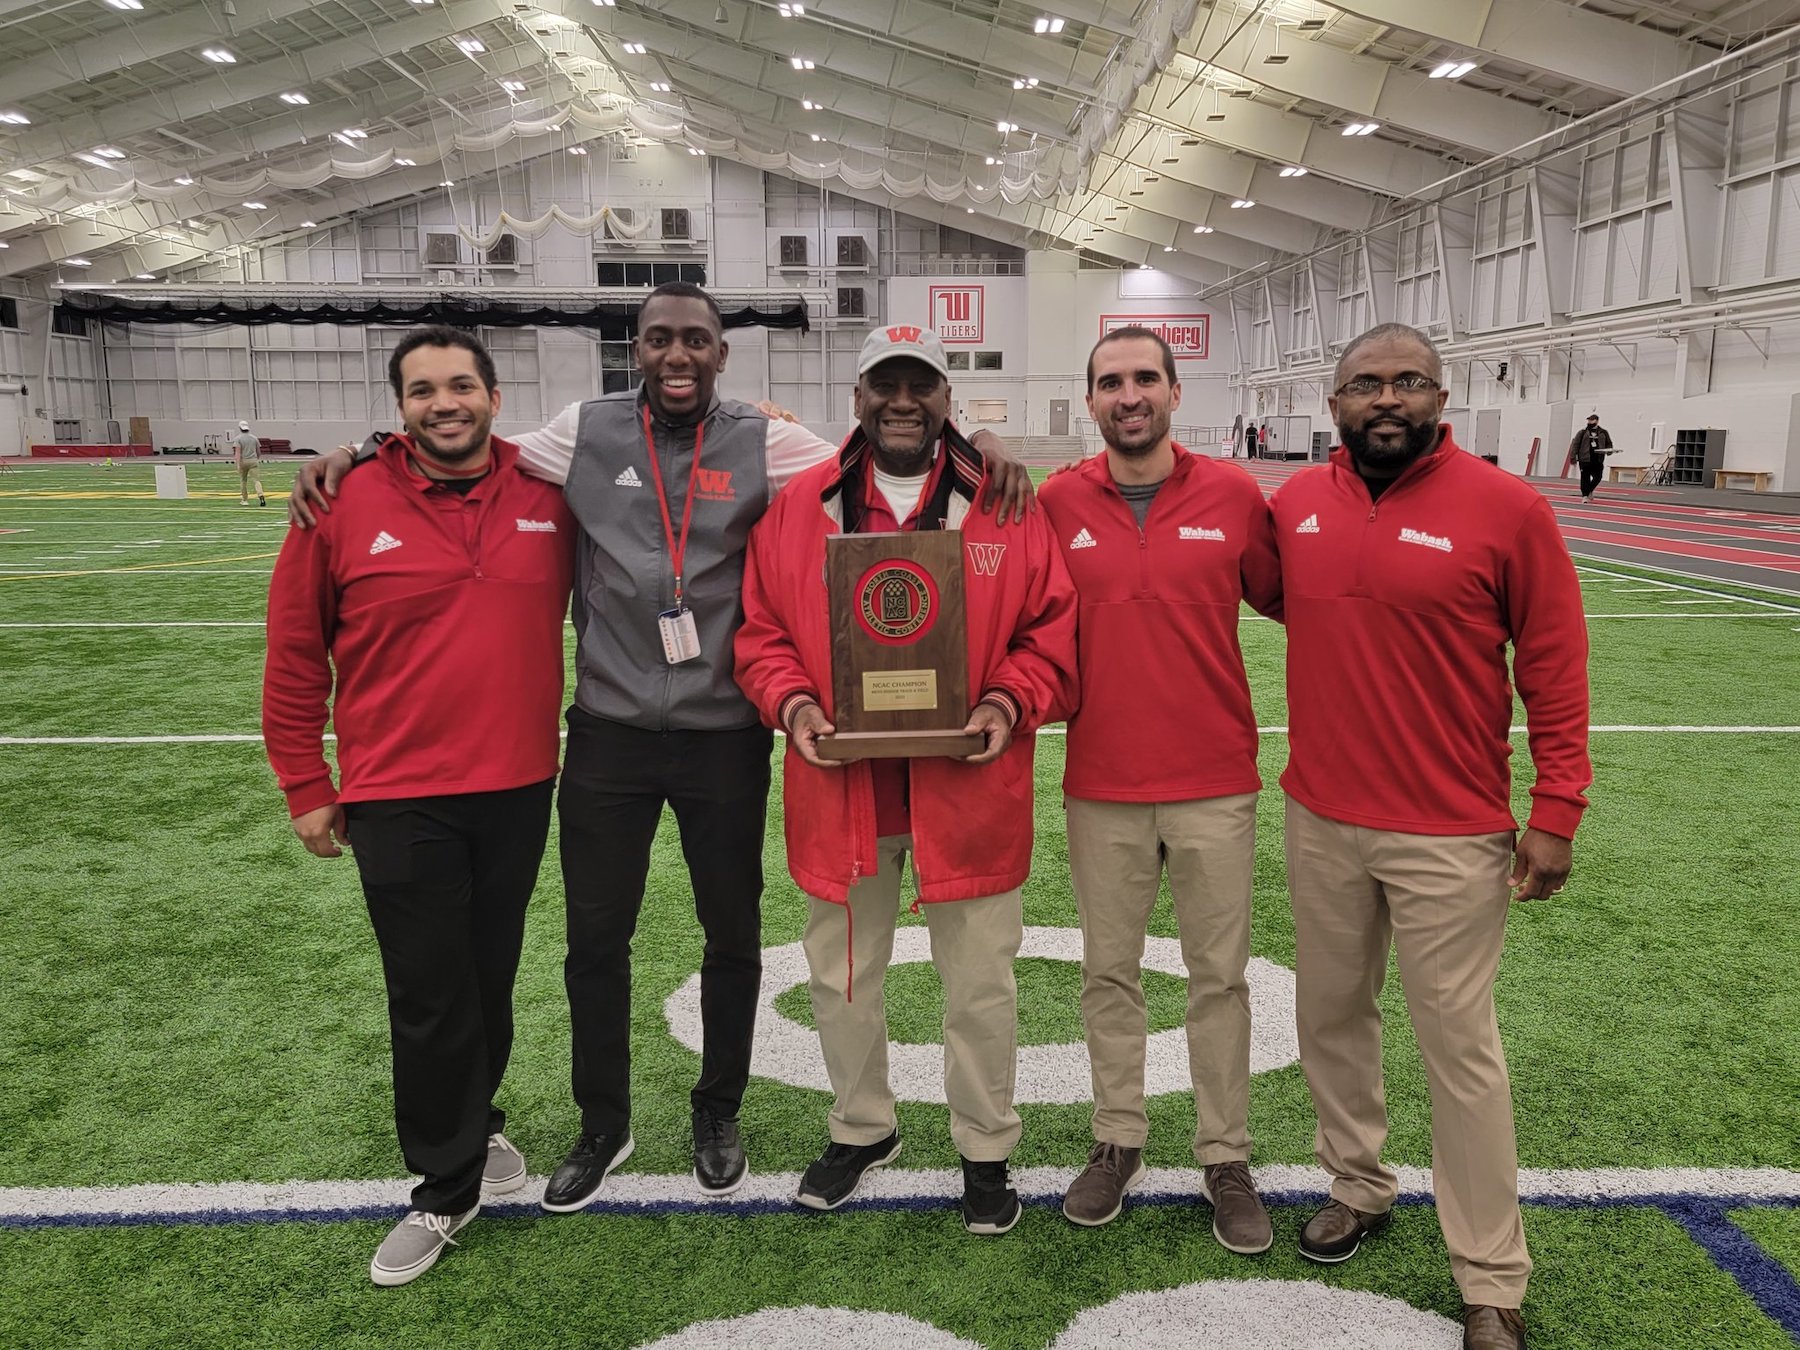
(677, 551)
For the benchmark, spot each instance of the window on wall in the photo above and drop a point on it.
(68, 323)
(957, 360)
(1762, 182)
(986, 409)
(1626, 232)
(515, 353)
(987, 360)
(649, 274)
(9, 312)
(618, 369)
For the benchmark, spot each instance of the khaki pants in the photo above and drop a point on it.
(973, 943)
(1117, 851)
(1443, 901)
(249, 474)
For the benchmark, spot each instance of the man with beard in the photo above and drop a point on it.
(1407, 566)
(437, 590)
(665, 482)
(1163, 546)
(966, 823)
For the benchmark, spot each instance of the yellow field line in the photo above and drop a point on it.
(141, 567)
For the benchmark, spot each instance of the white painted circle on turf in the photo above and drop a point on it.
(812, 1329)
(789, 1053)
(1258, 1315)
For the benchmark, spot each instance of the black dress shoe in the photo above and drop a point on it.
(719, 1162)
(585, 1170)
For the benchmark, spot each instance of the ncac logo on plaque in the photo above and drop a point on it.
(957, 312)
(896, 602)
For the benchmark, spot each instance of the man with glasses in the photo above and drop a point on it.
(1407, 566)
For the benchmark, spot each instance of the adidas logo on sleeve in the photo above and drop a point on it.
(629, 478)
(383, 542)
(1083, 539)
(1308, 526)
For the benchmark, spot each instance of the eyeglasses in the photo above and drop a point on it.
(1367, 386)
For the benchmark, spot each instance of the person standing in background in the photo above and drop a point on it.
(1589, 449)
(246, 453)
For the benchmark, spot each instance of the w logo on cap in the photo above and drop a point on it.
(904, 334)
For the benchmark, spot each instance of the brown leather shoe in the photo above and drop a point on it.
(1098, 1194)
(1486, 1328)
(1240, 1222)
(1336, 1231)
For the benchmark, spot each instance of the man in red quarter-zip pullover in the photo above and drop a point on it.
(1408, 565)
(436, 591)
(965, 823)
(1163, 546)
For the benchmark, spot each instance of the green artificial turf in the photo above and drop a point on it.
(191, 997)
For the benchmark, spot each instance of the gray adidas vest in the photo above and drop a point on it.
(624, 576)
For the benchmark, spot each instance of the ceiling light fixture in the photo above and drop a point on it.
(1313, 25)
(256, 206)
(607, 4)
(636, 48)
(969, 209)
(1452, 70)
(96, 161)
(1029, 82)
(145, 276)
(1005, 127)
(16, 119)
(218, 56)
(107, 152)
(661, 86)
(1242, 204)
(577, 149)
(126, 4)
(448, 182)
(1362, 128)
(991, 161)
(309, 224)
(424, 2)
(296, 99)
(184, 181)
(1168, 248)
(815, 135)
(791, 11)
(1292, 171)
(809, 105)
(1203, 229)
(720, 16)
(1046, 24)
(405, 163)
(78, 262)
(513, 86)
(697, 151)
(800, 63)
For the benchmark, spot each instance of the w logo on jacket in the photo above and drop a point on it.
(985, 558)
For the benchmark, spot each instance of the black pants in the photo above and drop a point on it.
(615, 781)
(1590, 475)
(447, 880)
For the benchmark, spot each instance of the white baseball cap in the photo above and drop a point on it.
(243, 426)
(922, 344)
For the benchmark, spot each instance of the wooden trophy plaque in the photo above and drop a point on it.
(899, 646)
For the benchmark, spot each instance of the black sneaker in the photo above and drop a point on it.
(989, 1204)
(585, 1170)
(832, 1177)
(719, 1162)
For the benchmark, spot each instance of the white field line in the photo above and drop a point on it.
(1588, 566)
(171, 569)
(1058, 730)
(181, 623)
(293, 1200)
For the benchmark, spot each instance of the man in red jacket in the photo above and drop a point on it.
(437, 591)
(1407, 566)
(966, 823)
(1163, 546)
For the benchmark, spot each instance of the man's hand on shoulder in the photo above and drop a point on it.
(1008, 490)
(315, 485)
(775, 412)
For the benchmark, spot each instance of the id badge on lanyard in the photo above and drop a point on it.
(680, 634)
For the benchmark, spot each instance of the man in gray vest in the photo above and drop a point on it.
(665, 483)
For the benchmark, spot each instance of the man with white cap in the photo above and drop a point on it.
(246, 453)
(966, 823)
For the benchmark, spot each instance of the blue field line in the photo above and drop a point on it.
(1770, 1285)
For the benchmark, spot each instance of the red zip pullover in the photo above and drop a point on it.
(442, 614)
(1398, 615)
(1165, 706)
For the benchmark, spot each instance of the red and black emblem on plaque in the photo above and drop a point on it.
(896, 602)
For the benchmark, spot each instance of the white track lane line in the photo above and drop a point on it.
(1588, 560)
